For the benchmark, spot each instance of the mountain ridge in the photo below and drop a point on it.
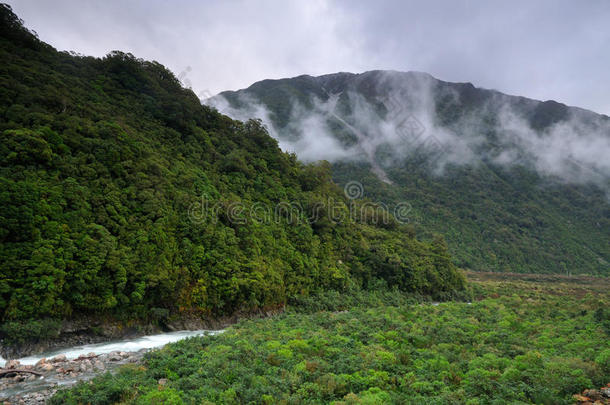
(468, 84)
(485, 139)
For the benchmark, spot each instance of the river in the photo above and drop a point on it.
(128, 346)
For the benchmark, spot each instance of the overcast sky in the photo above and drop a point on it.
(540, 49)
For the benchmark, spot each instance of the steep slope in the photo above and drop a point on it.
(514, 184)
(123, 196)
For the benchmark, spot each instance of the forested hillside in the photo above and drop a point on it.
(106, 168)
(514, 184)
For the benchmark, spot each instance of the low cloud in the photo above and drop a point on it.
(400, 115)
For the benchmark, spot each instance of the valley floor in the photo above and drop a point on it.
(521, 339)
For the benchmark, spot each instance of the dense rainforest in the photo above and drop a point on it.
(494, 173)
(108, 170)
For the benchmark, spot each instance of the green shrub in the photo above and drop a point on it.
(17, 332)
(387, 349)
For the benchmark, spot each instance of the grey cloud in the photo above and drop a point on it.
(549, 49)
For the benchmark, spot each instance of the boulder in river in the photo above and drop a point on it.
(59, 358)
(115, 356)
(12, 364)
(46, 367)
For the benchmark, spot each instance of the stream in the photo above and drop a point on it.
(81, 363)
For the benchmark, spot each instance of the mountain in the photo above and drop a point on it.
(514, 184)
(123, 197)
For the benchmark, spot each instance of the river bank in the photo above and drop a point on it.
(88, 330)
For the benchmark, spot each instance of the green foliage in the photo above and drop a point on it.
(17, 332)
(376, 294)
(535, 342)
(118, 192)
(499, 219)
(603, 361)
(111, 389)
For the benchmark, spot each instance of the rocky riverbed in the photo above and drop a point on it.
(34, 384)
